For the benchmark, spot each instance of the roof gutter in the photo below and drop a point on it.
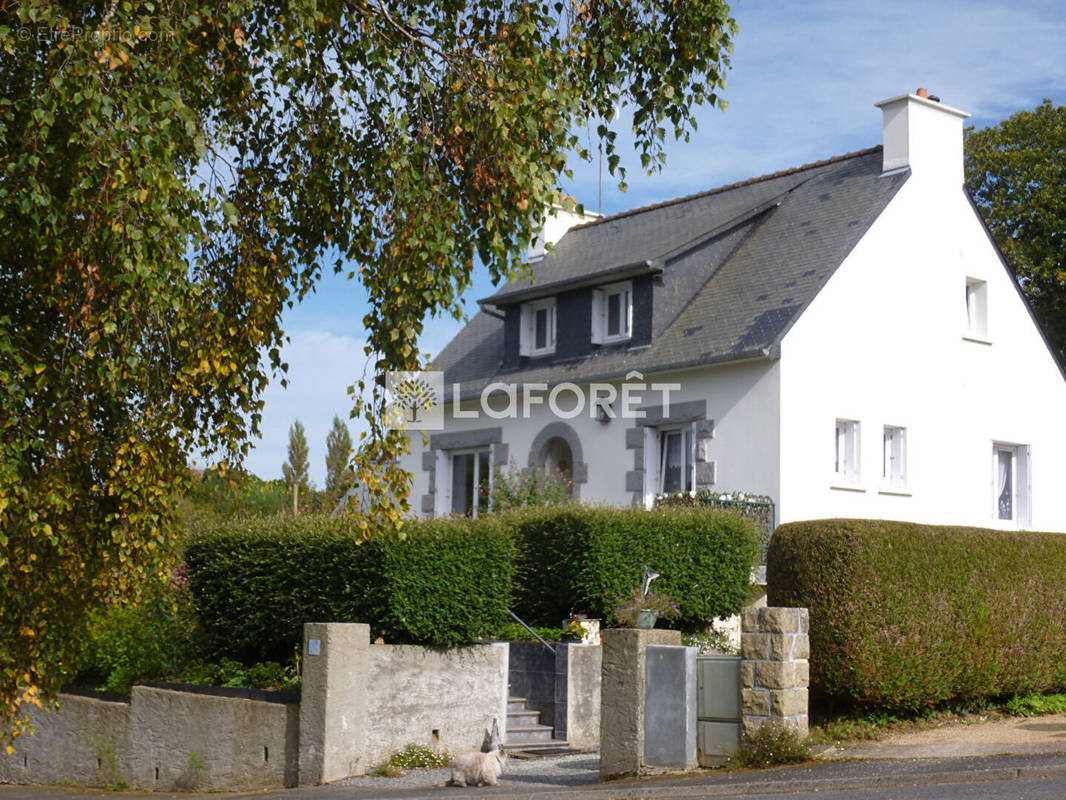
(651, 266)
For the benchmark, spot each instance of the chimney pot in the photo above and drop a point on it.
(922, 92)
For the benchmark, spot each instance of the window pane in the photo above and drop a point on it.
(1005, 483)
(687, 456)
(672, 461)
(838, 465)
(483, 480)
(462, 483)
(614, 314)
(540, 341)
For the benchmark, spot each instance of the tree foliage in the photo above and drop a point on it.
(338, 452)
(297, 467)
(1016, 172)
(173, 175)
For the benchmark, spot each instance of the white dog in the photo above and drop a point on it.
(476, 768)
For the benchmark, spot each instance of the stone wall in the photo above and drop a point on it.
(161, 739)
(359, 703)
(433, 697)
(774, 673)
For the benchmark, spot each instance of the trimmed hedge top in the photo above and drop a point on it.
(908, 616)
(256, 581)
(581, 559)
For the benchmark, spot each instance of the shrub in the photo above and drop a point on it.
(255, 582)
(907, 616)
(515, 488)
(576, 558)
(1032, 704)
(149, 638)
(771, 745)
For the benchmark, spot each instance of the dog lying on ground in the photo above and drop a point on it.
(476, 769)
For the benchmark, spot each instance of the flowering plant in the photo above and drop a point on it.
(641, 598)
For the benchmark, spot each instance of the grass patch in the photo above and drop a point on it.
(876, 725)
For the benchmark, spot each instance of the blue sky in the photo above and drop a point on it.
(804, 78)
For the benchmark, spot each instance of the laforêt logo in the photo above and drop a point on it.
(414, 400)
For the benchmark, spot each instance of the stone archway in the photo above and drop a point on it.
(557, 447)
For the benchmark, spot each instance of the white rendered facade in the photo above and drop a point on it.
(914, 386)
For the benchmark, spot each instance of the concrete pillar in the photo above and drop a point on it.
(333, 701)
(774, 672)
(622, 697)
(581, 684)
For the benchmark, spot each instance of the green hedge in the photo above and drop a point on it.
(256, 581)
(580, 559)
(907, 616)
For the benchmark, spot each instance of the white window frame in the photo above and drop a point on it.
(976, 309)
(894, 457)
(1020, 489)
(654, 453)
(445, 470)
(847, 452)
(600, 305)
(528, 333)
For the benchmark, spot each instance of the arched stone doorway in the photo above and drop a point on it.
(557, 448)
(557, 458)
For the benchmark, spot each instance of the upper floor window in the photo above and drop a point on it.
(612, 313)
(976, 308)
(846, 463)
(538, 328)
(894, 455)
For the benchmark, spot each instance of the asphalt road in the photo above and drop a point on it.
(1031, 777)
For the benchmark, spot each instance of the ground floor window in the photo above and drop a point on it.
(471, 482)
(675, 454)
(1010, 483)
(669, 459)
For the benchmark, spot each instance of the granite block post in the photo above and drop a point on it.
(774, 672)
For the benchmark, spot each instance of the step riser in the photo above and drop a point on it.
(523, 740)
(516, 705)
(522, 719)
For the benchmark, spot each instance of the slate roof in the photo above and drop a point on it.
(739, 265)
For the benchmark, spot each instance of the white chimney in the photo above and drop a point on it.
(924, 134)
(557, 221)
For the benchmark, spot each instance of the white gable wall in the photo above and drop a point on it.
(883, 344)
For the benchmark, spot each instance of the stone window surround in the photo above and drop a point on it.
(680, 413)
(460, 440)
(579, 471)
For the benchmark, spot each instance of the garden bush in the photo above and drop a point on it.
(573, 558)
(907, 616)
(256, 581)
(148, 638)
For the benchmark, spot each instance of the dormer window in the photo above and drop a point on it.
(538, 328)
(612, 313)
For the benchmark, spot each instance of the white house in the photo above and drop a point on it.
(844, 337)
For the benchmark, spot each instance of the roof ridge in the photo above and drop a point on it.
(749, 181)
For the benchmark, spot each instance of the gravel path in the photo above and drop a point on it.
(575, 770)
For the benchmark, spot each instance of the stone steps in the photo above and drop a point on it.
(524, 731)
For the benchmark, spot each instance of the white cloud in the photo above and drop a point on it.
(321, 366)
